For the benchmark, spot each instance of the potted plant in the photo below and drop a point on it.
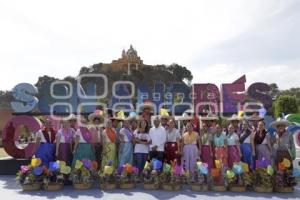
(264, 179)
(284, 178)
(56, 175)
(217, 178)
(151, 176)
(171, 180)
(235, 179)
(199, 179)
(108, 177)
(82, 175)
(30, 177)
(127, 176)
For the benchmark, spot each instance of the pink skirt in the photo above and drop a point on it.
(233, 155)
(206, 156)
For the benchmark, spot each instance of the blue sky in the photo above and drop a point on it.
(217, 40)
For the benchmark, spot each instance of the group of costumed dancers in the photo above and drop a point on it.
(107, 137)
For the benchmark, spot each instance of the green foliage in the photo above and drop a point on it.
(285, 104)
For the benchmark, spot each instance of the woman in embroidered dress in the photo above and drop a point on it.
(190, 150)
(45, 143)
(172, 146)
(234, 151)
(109, 152)
(246, 147)
(82, 148)
(206, 146)
(126, 147)
(220, 146)
(261, 143)
(64, 139)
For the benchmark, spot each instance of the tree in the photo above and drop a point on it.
(180, 73)
(274, 92)
(285, 104)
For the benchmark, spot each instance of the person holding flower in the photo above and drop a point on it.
(82, 147)
(126, 146)
(109, 152)
(172, 146)
(234, 151)
(261, 144)
(45, 143)
(284, 146)
(191, 152)
(206, 146)
(64, 138)
(220, 146)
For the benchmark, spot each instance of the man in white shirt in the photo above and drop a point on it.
(158, 137)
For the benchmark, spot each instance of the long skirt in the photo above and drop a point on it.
(126, 153)
(190, 156)
(171, 152)
(262, 151)
(109, 153)
(206, 156)
(83, 151)
(247, 157)
(65, 153)
(221, 154)
(280, 155)
(233, 155)
(46, 152)
(140, 160)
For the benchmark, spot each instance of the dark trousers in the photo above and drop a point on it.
(98, 154)
(159, 155)
(140, 160)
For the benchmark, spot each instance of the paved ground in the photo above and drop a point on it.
(10, 191)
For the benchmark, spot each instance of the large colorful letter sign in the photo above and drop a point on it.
(233, 94)
(23, 93)
(10, 136)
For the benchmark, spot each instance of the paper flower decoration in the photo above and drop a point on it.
(177, 169)
(245, 167)
(24, 168)
(198, 164)
(147, 165)
(120, 169)
(270, 170)
(215, 172)
(281, 166)
(37, 171)
(135, 170)
(108, 170)
(53, 166)
(65, 170)
(203, 170)
(110, 163)
(237, 169)
(296, 172)
(229, 174)
(61, 163)
(286, 163)
(128, 168)
(218, 164)
(94, 165)
(35, 162)
(156, 164)
(166, 168)
(87, 163)
(78, 164)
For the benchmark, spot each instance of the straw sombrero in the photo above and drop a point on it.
(146, 105)
(97, 114)
(279, 121)
(234, 117)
